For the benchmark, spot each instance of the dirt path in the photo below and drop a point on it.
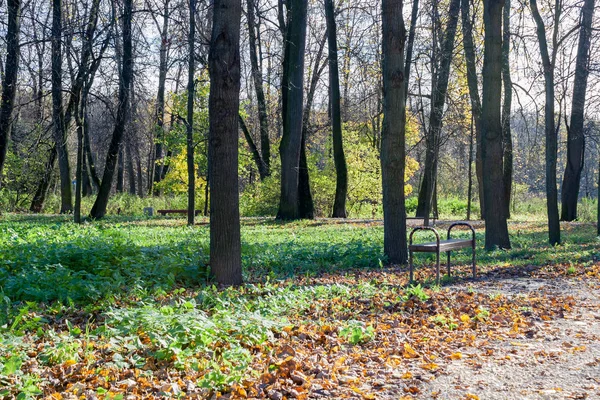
(556, 359)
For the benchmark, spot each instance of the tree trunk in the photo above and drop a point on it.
(99, 208)
(37, 204)
(9, 84)
(292, 103)
(224, 99)
(469, 48)
(435, 119)
(160, 97)
(549, 127)
(341, 169)
(265, 144)
(393, 147)
(575, 136)
(470, 172)
(79, 166)
(121, 172)
(58, 117)
(130, 168)
(409, 46)
(305, 200)
(191, 167)
(507, 158)
(260, 165)
(496, 227)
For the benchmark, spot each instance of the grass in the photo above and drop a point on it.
(142, 288)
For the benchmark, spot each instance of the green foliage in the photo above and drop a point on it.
(356, 332)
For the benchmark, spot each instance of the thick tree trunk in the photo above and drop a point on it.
(224, 70)
(393, 147)
(575, 136)
(263, 119)
(58, 117)
(292, 104)
(99, 208)
(9, 84)
(469, 48)
(341, 169)
(191, 167)
(496, 227)
(507, 158)
(435, 119)
(549, 127)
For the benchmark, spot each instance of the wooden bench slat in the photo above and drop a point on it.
(445, 245)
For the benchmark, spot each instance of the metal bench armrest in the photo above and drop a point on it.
(463, 224)
(425, 228)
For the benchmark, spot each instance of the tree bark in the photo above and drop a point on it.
(435, 119)
(160, 97)
(507, 158)
(224, 71)
(58, 117)
(121, 172)
(130, 168)
(260, 165)
(496, 227)
(393, 147)
(575, 136)
(469, 48)
(341, 169)
(37, 204)
(263, 119)
(191, 167)
(292, 104)
(549, 126)
(99, 208)
(9, 84)
(409, 46)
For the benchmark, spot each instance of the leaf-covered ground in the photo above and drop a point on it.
(123, 309)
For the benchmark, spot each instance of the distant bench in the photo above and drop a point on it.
(441, 246)
(165, 212)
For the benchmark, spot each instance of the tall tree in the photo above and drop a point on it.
(575, 136)
(160, 96)
(496, 227)
(551, 133)
(58, 116)
(393, 147)
(469, 49)
(224, 99)
(263, 119)
(341, 169)
(409, 45)
(507, 154)
(9, 84)
(438, 100)
(99, 207)
(191, 167)
(292, 103)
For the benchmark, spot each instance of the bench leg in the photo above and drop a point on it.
(448, 265)
(437, 267)
(410, 266)
(474, 264)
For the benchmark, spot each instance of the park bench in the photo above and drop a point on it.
(165, 212)
(439, 246)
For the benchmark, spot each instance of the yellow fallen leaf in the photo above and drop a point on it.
(456, 356)
(430, 366)
(68, 363)
(407, 375)
(409, 352)
(472, 396)
(465, 318)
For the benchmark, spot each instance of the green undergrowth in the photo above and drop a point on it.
(142, 287)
